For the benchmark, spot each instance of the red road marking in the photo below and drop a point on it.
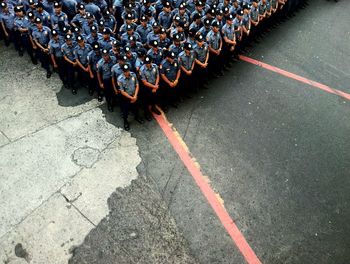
(182, 150)
(296, 77)
(212, 198)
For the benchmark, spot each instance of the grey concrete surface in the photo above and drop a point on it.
(3, 139)
(60, 162)
(35, 167)
(139, 229)
(47, 235)
(30, 101)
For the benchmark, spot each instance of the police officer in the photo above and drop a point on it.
(254, 13)
(154, 35)
(147, 7)
(165, 18)
(117, 70)
(149, 76)
(246, 23)
(77, 31)
(192, 37)
(141, 52)
(69, 62)
(150, 17)
(7, 18)
(116, 48)
(134, 44)
(22, 37)
(220, 18)
(129, 9)
(143, 29)
(58, 16)
(42, 14)
(80, 17)
(94, 36)
(69, 7)
(183, 13)
(262, 10)
(92, 9)
(199, 9)
(56, 55)
(170, 73)
(237, 23)
(81, 52)
(155, 52)
(215, 44)
(106, 41)
(229, 38)
(131, 57)
(178, 30)
(41, 37)
(31, 28)
(187, 63)
(128, 86)
(202, 57)
(164, 41)
(93, 57)
(30, 6)
(129, 20)
(104, 76)
(205, 29)
(129, 32)
(196, 23)
(176, 47)
(89, 23)
(110, 21)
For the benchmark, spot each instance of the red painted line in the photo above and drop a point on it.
(296, 77)
(212, 198)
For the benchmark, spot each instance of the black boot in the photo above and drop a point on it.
(34, 60)
(155, 110)
(126, 125)
(48, 74)
(110, 107)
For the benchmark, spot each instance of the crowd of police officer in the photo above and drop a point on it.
(137, 54)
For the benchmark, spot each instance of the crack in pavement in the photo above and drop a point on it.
(49, 125)
(76, 208)
(70, 177)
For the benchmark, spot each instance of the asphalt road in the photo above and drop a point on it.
(276, 150)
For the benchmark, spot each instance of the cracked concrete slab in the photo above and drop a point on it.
(31, 101)
(46, 236)
(138, 229)
(34, 167)
(3, 139)
(90, 188)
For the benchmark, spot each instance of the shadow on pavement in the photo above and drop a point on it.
(65, 97)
